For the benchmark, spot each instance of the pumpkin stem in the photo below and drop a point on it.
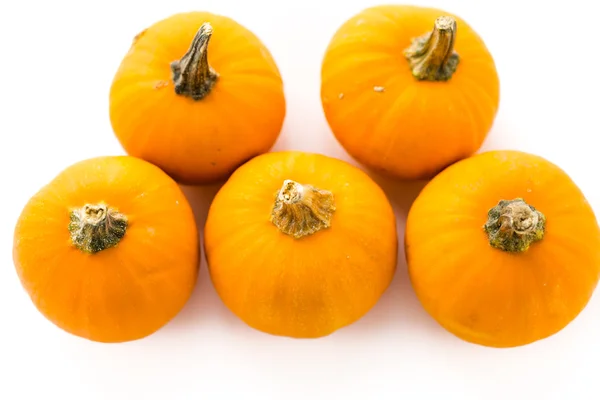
(302, 210)
(192, 75)
(96, 227)
(431, 56)
(513, 225)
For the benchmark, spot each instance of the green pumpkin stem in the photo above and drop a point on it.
(302, 210)
(513, 225)
(431, 56)
(96, 227)
(192, 75)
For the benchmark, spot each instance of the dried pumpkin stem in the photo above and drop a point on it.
(192, 75)
(432, 57)
(513, 225)
(302, 210)
(96, 227)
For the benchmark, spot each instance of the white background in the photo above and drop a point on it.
(57, 62)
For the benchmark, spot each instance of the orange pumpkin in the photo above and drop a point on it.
(300, 244)
(195, 104)
(503, 249)
(408, 90)
(108, 250)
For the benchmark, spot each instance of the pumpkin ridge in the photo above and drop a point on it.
(400, 102)
(474, 120)
(421, 111)
(478, 107)
(477, 86)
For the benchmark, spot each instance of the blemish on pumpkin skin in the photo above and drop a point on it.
(213, 163)
(379, 89)
(161, 84)
(139, 35)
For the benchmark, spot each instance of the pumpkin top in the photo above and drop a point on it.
(518, 204)
(407, 44)
(188, 53)
(102, 203)
(304, 197)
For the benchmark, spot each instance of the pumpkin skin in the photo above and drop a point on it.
(483, 293)
(122, 291)
(308, 286)
(391, 121)
(202, 140)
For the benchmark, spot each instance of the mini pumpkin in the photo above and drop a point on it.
(300, 244)
(108, 250)
(503, 249)
(408, 90)
(194, 103)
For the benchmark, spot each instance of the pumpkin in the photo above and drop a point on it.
(408, 90)
(300, 244)
(194, 103)
(108, 250)
(503, 249)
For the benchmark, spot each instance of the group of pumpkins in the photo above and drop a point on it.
(502, 247)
